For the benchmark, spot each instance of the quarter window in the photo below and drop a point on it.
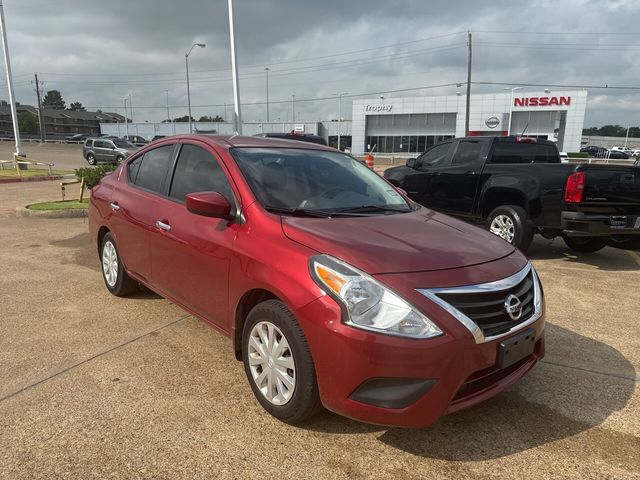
(150, 170)
(198, 171)
(436, 157)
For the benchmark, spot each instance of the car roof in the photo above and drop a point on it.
(232, 141)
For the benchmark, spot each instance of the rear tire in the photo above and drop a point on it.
(625, 242)
(585, 244)
(278, 363)
(510, 223)
(119, 160)
(116, 279)
(91, 159)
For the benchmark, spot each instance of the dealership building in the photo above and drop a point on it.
(409, 125)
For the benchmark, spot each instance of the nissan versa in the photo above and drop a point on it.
(335, 289)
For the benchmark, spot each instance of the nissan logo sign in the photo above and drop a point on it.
(492, 121)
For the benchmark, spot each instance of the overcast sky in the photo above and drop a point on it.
(98, 52)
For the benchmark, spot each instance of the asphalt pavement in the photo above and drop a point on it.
(95, 386)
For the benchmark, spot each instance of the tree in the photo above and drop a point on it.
(612, 131)
(53, 99)
(27, 123)
(184, 119)
(207, 118)
(76, 107)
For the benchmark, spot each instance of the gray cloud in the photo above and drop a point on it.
(97, 52)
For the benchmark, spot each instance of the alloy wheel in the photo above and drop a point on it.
(110, 263)
(503, 226)
(271, 363)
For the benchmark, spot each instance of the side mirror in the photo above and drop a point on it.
(411, 162)
(208, 204)
(402, 191)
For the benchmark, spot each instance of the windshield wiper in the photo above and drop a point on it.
(373, 208)
(298, 212)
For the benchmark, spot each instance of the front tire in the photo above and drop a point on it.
(510, 223)
(116, 279)
(585, 244)
(278, 363)
(91, 159)
(119, 160)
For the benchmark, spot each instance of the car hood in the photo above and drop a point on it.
(410, 242)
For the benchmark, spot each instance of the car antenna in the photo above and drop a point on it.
(235, 134)
(524, 129)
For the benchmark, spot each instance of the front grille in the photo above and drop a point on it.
(487, 307)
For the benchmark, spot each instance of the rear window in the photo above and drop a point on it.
(511, 152)
(149, 171)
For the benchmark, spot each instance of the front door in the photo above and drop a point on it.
(191, 253)
(421, 183)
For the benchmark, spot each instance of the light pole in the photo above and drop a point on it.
(237, 115)
(186, 62)
(12, 101)
(126, 123)
(340, 95)
(266, 71)
(293, 107)
(168, 114)
(511, 108)
(626, 138)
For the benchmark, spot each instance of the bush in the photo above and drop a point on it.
(578, 155)
(93, 175)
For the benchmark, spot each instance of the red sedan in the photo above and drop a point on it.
(334, 288)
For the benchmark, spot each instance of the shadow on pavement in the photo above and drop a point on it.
(608, 259)
(527, 416)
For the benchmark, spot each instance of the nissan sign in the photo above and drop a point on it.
(378, 107)
(492, 121)
(541, 101)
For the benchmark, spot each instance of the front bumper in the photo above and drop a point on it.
(576, 224)
(444, 374)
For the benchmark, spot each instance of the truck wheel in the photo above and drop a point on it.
(625, 242)
(585, 244)
(510, 223)
(278, 363)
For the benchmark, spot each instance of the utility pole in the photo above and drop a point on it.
(266, 71)
(126, 123)
(626, 139)
(237, 117)
(466, 120)
(168, 114)
(131, 107)
(43, 134)
(7, 63)
(293, 106)
(340, 95)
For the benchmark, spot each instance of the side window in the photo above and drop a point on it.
(469, 152)
(89, 143)
(510, 152)
(198, 171)
(436, 157)
(99, 144)
(150, 170)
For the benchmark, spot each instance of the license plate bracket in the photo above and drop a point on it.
(516, 348)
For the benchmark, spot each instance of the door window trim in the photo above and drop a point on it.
(165, 192)
(447, 160)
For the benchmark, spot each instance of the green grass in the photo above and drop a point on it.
(62, 205)
(10, 172)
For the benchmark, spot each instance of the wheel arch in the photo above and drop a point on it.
(249, 300)
(502, 196)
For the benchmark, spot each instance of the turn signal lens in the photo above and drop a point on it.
(331, 279)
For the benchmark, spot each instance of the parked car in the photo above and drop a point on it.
(158, 137)
(108, 150)
(517, 187)
(595, 151)
(564, 158)
(618, 155)
(302, 137)
(78, 137)
(334, 288)
(137, 140)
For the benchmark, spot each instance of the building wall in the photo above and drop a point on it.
(490, 115)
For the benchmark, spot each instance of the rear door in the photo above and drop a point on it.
(419, 183)
(454, 185)
(135, 205)
(191, 253)
(100, 150)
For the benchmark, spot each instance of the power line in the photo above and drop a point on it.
(550, 85)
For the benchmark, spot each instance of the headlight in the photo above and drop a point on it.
(368, 304)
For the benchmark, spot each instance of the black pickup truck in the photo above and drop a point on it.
(517, 187)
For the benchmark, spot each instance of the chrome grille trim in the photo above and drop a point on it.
(496, 286)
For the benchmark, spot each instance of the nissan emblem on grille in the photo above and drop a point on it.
(513, 306)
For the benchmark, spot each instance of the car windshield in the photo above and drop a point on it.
(123, 144)
(302, 181)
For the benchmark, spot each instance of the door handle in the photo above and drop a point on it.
(162, 225)
(114, 206)
(470, 172)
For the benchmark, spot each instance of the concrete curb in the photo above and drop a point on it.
(66, 213)
(39, 178)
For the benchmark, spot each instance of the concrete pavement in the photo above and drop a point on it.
(95, 386)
